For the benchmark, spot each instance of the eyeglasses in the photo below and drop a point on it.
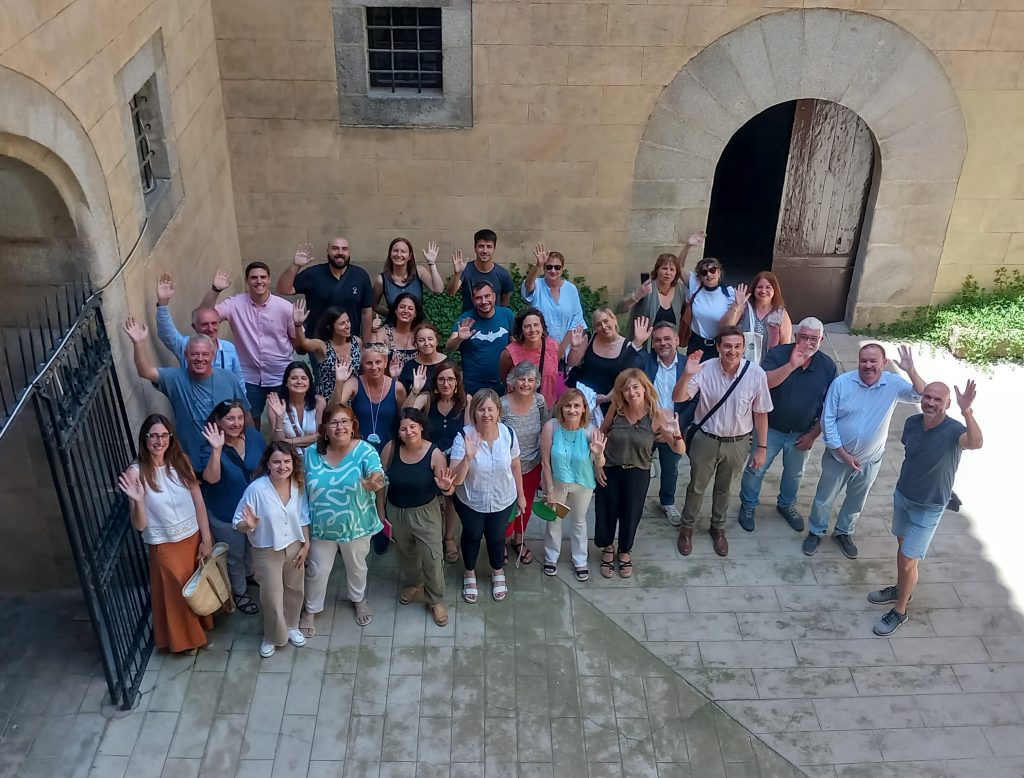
(447, 380)
(552, 267)
(809, 338)
(335, 424)
(158, 436)
(707, 271)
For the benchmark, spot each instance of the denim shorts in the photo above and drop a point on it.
(915, 523)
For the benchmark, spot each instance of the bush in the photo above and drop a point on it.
(978, 325)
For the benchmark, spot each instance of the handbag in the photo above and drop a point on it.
(208, 590)
(753, 341)
(692, 429)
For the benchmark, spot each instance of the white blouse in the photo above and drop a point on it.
(280, 525)
(489, 486)
(171, 512)
(293, 428)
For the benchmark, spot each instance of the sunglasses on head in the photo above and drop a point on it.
(552, 267)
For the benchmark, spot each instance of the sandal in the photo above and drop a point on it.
(307, 623)
(246, 604)
(363, 613)
(451, 551)
(440, 613)
(499, 591)
(550, 569)
(469, 591)
(625, 567)
(523, 553)
(410, 594)
(607, 565)
(582, 574)
(250, 580)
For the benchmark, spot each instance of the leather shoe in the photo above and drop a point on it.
(719, 542)
(684, 543)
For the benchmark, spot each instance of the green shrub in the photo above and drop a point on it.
(982, 326)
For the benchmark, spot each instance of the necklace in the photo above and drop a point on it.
(373, 437)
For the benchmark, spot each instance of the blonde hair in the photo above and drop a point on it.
(618, 393)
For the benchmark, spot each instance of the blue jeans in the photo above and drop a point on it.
(669, 460)
(257, 397)
(793, 463)
(836, 476)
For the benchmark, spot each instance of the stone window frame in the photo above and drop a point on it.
(144, 76)
(361, 106)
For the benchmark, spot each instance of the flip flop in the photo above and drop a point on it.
(363, 613)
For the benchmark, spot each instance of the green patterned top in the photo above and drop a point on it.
(339, 507)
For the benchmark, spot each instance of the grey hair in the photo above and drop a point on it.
(197, 340)
(812, 324)
(524, 369)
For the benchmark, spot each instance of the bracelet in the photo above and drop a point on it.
(218, 291)
(278, 429)
(765, 447)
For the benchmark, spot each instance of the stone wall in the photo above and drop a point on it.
(562, 96)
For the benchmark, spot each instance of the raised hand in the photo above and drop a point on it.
(906, 360)
(276, 404)
(137, 331)
(671, 425)
(693, 363)
(419, 379)
(598, 440)
(643, 290)
(697, 238)
(378, 322)
(445, 479)
(742, 295)
(221, 280)
(966, 398)
(797, 356)
(472, 444)
(465, 330)
(642, 330)
(578, 338)
(373, 482)
(343, 370)
(395, 366)
(299, 311)
(458, 261)
(249, 518)
(214, 436)
(303, 255)
(164, 289)
(430, 253)
(129, 483)
(541, 255)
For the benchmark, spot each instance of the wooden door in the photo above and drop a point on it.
(828, 173)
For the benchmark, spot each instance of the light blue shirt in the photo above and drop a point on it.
(226, 357)
(665, 382)
(856, 416)
(560, 316)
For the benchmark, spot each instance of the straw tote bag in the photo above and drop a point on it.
(208, 590)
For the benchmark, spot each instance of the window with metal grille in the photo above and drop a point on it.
(403, 47)
(143, 148)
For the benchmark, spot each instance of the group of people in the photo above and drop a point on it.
(379, 436)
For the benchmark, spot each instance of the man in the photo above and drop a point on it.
(205, 321)
(334, 283)
(723, 439)
(480, 336)
(263, 327)
(193, 390)
(933, 443)
(855, 421)
(664, 367)
(799, 375)
(557, 298)
(481, 269)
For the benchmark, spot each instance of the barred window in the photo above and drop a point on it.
(144, 150)
(403, 47)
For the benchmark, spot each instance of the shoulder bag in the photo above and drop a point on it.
(692, 429)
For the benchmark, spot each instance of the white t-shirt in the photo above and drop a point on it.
(708, 307)
(489, 486)
(170, 513)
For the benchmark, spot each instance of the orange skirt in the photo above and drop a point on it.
(175, 626)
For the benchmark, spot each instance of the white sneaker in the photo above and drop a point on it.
(296, 638)
(675, 518)
(267, 649)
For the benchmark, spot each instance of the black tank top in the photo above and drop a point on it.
(410, 486)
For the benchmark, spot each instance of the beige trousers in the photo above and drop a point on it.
(280, 590)
(321, 561)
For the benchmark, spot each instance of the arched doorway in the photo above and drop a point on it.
(789, 195)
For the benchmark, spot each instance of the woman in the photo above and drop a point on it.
(766, 314)
(402, 275)
(447, 413)
(426, 337)
(571, 453)
(167, 508)
(530, 341)
(632, 424)
(227, 461)
(597, 363)
(525, 411)
(274, 514)
(296, 407)
(334, 343)
(485, 460)
(342, 474)
(417, 472)
(709, 303)
(399, 329)
(375, 396)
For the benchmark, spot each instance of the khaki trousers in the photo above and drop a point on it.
(417, 533)
(710, 458)
(280, 590)
(322, 554)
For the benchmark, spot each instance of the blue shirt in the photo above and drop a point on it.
(498, 277)
(932, 457)
(192, 402)
(226, 357)
(222, 498)
(856, 416)
(561, 316)
(480, 354)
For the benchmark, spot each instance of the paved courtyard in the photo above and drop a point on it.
(746, 666)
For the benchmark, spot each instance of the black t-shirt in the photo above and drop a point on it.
(799, 399)
(931, 459)
(352, 292)
(498, 277)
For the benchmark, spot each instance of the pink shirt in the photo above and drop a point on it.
(735, 417)
(263, 336)
(549, 378)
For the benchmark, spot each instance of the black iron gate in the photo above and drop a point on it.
(78, 403)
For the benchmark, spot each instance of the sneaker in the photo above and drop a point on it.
(296, 638)
(267, 649)
(885, 595)
(846, 545)
(810, 544)
(746, 517)
(889, 623)
(792, 517)
(675, 518)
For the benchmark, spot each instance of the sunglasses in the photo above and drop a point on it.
(707, 271)
(552, 267)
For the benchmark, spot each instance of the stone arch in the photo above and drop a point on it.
(867, 64)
